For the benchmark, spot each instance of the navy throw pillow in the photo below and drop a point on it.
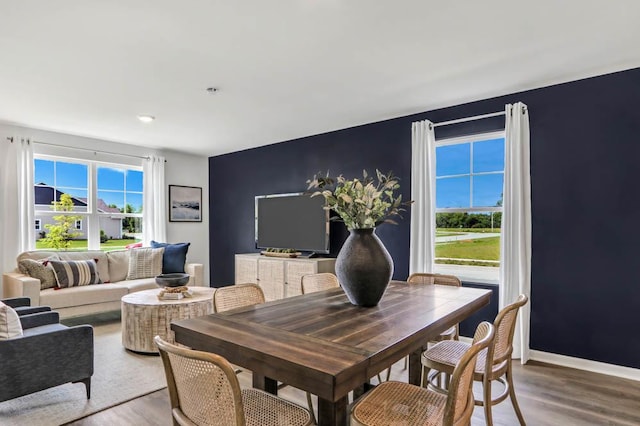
(174, 257)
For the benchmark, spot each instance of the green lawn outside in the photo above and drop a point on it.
(82, 245)
(481, 249)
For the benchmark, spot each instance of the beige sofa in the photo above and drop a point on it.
(89, 299)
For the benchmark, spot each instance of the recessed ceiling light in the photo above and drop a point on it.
(146, 118)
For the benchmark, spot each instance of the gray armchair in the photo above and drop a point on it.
(48, 354)
(22, 305)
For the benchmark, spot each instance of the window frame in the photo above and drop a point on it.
(460, 270)
(91, 215)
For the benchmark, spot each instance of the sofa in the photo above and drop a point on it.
(112, 268)
(45, 354)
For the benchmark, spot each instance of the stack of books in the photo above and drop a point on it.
(172, 296)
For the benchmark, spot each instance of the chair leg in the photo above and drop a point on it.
(87, 385)
(424, 378)
(512, 394)
(310, 404)
(406, 362)
(389, 373)
(486, 401)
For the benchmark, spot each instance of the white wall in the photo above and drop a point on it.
(180, 169)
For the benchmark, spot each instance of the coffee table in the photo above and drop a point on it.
(144, 316)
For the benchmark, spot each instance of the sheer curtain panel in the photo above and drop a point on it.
(154, 226)
(423, 222)
(17, 226)
(515, 265)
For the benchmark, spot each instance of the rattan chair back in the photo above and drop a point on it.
(505, 324)
(439, 279)
(203, 388)
(460, 401)
(318, 282)
(237, 296)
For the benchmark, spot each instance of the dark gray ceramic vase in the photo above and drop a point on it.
(364, 267)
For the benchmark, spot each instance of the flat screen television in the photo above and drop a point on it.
(294, 221)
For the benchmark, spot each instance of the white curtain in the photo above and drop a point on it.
(423, 222)
(17, 226)
(154, 226)
(515, 267)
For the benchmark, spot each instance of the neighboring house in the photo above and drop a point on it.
(44, 196)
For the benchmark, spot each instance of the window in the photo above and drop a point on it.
(38, 225)
(108, 217)
(469, 189)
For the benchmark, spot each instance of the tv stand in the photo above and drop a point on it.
(279, 277)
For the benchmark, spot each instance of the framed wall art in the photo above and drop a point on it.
(185, 203)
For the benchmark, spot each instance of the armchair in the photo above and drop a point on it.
(22, 305)
(48, 354)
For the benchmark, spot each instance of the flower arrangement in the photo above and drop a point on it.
(360, 203)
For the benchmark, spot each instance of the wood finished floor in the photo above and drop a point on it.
(548, 395)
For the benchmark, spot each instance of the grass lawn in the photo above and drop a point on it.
(82, 245)
(481, 249)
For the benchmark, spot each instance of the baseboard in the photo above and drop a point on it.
(587, 365)
(580, 363)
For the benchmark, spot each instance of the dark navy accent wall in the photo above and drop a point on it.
(585, 147)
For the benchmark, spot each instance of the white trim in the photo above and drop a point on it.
(477, 137)
(465, 119)
(587, 365)
(579, 363)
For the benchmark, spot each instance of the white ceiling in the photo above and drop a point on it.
(287, 68)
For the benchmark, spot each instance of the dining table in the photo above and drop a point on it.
(322, 344)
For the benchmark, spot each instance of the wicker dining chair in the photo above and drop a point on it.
(492, 365)
(451, 333)
(397, 403)
(204, 390)
(438, 279)
(318, 282)
(237, 296)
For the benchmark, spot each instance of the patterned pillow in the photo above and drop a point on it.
(73, 273)
(10, 325)
(145, 263)
(39, 269)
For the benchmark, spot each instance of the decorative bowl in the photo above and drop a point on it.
(172, 280)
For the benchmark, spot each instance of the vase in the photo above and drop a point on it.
(364, 267)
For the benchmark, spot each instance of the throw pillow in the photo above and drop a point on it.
(10, 325)
(145, 263)
(74, 273)
(118, 265)
(39, 269)
(174, 257)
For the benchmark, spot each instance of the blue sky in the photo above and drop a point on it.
(115, 186)
(454, 164)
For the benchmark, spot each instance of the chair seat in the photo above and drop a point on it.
(263, 409)
(396, 403)
(445, 355)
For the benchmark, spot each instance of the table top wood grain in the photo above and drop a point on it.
(323, 344)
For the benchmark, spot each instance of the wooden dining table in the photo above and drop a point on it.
(323, 344)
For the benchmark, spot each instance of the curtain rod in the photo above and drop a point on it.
(86, 149)
(463, 120)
